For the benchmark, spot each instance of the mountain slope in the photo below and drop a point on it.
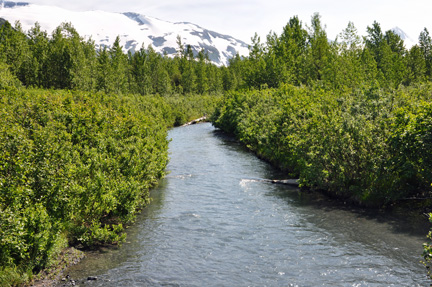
(404, 36)
(134, 30)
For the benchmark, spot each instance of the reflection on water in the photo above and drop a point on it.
(214, 222)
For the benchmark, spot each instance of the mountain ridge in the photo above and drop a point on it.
(408, 41)
(134, 30)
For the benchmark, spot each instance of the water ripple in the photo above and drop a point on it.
(213, 222)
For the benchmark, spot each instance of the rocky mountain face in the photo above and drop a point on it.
(134, 30)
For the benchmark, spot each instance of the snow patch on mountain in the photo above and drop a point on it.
(133, 29)
(408, 41)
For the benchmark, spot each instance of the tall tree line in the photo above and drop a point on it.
(300, 55)
(303, 55)
(64, 60)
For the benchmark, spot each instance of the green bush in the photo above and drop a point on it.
(76, 165)
(368, 145)
(7, 79)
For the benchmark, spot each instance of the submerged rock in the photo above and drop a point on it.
(293, 182)
(92, 278)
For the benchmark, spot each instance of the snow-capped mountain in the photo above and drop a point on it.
(404, 36)
(133, 29)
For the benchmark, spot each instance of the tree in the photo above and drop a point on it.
(395, 67)
(119, 66)
(237, 69)
(104, 81)
(14, 50)
(39, 45)
(188, 71)
(291, 49)
(276, 69)
(416, 65)
(70, 62)
(201, 72)
(140, 72)
(388, 51)
(319, 49)
(347, 67)
(59, 60)
(425, 43)
(255, 65)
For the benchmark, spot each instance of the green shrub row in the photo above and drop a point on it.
(370, 146)
(76, 166)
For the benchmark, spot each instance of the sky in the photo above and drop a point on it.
(242, 19)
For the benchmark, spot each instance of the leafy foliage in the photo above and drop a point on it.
(72, 162)
(351, 117)
(359, 145)
(79, 166)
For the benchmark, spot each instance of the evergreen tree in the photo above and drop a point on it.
(214, 74)
(276, 70)
(416, 65)
(201, 73)
(173, 68)
(254, 73)
(319, 49)
(39, 45)
(140, 72)
(105, 74)
(188, 73)
(119, 67)
(291, 49)
(388, 51)
(425, 43)
(14, 51)
(237, 72)
(59, 60)
(347, 67)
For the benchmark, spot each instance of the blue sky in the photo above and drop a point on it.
(242, 19)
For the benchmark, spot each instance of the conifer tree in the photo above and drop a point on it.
(291, 48)
(39, 44)
(188, 73)
(119, 68)
(140, 72)
(425, 43)
(319, 49)
(416, 66)
(14, 51)
(201, 73)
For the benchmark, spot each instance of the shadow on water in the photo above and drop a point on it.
(401, 218)
(229, 141)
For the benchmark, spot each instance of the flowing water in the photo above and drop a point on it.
(213, 222)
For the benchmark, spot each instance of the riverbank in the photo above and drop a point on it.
(368, 147)
(57, 273)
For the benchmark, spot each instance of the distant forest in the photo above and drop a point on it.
(298, 56)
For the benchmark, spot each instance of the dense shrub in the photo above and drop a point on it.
(369, 145)
(73, 165)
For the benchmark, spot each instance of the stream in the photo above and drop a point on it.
(214, 222)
